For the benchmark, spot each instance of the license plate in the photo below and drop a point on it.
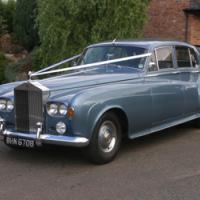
(20, 142)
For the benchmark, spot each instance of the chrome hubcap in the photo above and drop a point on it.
(107, 136)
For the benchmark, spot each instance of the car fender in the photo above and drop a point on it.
(96, 113)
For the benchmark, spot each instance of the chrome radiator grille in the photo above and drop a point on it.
(28, 107)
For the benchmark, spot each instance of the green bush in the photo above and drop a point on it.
(3, 64)
(37, 57)
(24, 23)
(19, 70)
(65, 27)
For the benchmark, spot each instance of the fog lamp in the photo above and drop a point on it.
(61, 128)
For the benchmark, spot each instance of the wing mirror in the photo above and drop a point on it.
(151, 64)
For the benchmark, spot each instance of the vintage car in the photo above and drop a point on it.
(114, 89)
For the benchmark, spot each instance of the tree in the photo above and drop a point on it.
(3, 63)
(7, 10)
(3, 26)
(65, 27)
(24, 23)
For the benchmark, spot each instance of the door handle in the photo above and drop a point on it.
(175, 72)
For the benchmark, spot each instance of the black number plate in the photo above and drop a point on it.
(20, 142)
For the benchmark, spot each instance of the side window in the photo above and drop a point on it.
(164, 57)
(183, 57)
(153, 63)
(194, 58)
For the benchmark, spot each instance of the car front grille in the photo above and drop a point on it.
(28, 107)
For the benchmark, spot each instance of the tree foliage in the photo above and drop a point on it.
(24, 23)
(3, 63)
(65, 27)
(3, 25)
(7, 10)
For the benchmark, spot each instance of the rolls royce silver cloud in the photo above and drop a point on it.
(113, 89)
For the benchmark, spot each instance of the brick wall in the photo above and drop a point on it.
(194, 29)
(167, 19)
(195, 3)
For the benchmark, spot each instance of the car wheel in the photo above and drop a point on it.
(196, 123)
(106, 139)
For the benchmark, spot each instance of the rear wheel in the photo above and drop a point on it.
(106, 139)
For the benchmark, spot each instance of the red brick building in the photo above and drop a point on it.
(174, 19)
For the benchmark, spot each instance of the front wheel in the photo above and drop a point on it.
(196, 123)
(106, 139)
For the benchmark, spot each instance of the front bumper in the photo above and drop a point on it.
(40, 138)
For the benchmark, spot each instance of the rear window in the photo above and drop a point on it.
(186, 57)
(183, 57)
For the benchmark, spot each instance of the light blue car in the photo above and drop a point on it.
(117, 89)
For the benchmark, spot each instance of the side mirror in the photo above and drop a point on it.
(152, 64)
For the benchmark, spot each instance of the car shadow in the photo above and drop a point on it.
(63, 156)
(160, 137)
(48, 155)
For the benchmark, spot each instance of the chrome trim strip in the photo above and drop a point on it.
(50, 139)
(194, 71)
(165, 126)
(152, 75)
(160, 73)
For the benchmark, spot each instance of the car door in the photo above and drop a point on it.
(187, 64)
(167, 92)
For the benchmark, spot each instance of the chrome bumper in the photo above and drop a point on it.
(40, 138)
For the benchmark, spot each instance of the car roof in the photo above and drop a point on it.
(144, 43)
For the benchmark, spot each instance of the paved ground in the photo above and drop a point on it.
(157, 167)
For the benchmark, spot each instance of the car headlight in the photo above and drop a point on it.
(52, 109)
(6, 105)
(10, 106)
(2, 104)
(63, 109)
(61, 128)
(57, 109)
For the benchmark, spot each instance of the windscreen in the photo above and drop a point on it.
(93, 56)
(105, 53)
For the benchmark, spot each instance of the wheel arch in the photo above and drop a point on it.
(121, 115)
